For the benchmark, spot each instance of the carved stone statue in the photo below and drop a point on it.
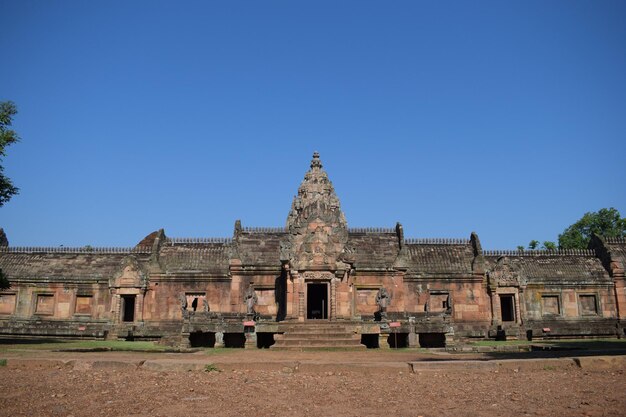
(183, 304)
(383, 300)
(205, 305)
(250, 299)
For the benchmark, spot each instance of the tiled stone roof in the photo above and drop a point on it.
(440, 258)
(213, 257)
(556, 268)
(89, 265)
(260, 248)
(373, 250)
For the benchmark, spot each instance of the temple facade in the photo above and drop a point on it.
(315, 282)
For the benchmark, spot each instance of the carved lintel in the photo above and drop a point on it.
(318, 275)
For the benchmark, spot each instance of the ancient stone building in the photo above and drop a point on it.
(315, 282)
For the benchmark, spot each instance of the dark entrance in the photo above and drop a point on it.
(507, 307)
(128, 305)
(317, 301)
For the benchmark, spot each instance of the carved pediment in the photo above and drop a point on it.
(130, 274)
(506, 273)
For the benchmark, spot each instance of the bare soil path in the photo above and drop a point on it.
(267, 383)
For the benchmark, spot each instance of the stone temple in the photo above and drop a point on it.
(316, 282)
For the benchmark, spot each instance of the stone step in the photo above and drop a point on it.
(319, 342)
(339, 336)
(328, 333)
(318, 347)
(318, 335)
(318, 326)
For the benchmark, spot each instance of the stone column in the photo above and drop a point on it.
(383, 341)
(250, 333)
(115, 308)
(291, 311)
(301, 304)
(333, 298)
(495, 310)
(413, 336)
(139, 306)
(219, 340)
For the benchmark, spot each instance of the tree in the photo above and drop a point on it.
(605, 222)
(7, 137)
(533, 244)
(548, 245)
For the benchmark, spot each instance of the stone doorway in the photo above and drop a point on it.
(128, 308)
(317, 301)
(507, 307)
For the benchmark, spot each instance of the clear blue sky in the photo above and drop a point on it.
(504, 118)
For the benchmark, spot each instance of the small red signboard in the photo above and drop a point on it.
(546, 330)
(81, 328)
(395, 324)
(249, 323)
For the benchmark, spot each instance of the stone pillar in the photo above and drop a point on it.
(115, 308)
(250, 338)
(219, 339)
(301, 305)
(383, 341)
(289, 299)
(450, 342)
(518, 308)
(333, 298)
(185, 343)
(496, 320)
(413, 337)
(139, 306)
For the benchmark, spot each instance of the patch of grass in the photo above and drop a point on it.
(115, 345)
(219, 350)
(499, 342)
(569, 343)
(3, 362)
(209, 367)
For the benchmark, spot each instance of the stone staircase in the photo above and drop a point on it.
(318, 335)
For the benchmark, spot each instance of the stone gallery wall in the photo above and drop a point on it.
(314, 268)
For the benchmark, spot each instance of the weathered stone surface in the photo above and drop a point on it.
(314, 267)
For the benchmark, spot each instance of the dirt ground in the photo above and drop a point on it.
(266, 383)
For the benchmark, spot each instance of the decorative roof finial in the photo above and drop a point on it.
(315, 162)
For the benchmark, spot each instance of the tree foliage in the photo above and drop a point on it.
(604, 222)
(7, 137)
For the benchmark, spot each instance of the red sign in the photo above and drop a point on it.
(81, 328)
(395, 324)
(249, 323)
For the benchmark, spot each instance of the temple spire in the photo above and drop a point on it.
(315, 162)
(317, 227)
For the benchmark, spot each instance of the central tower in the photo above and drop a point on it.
(316, 227)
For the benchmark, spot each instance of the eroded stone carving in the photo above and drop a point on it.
(183, 305)
(130, 274)
(318, 275)
(383, 299)
(316, 225)
(506, 273)
(250, 299)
